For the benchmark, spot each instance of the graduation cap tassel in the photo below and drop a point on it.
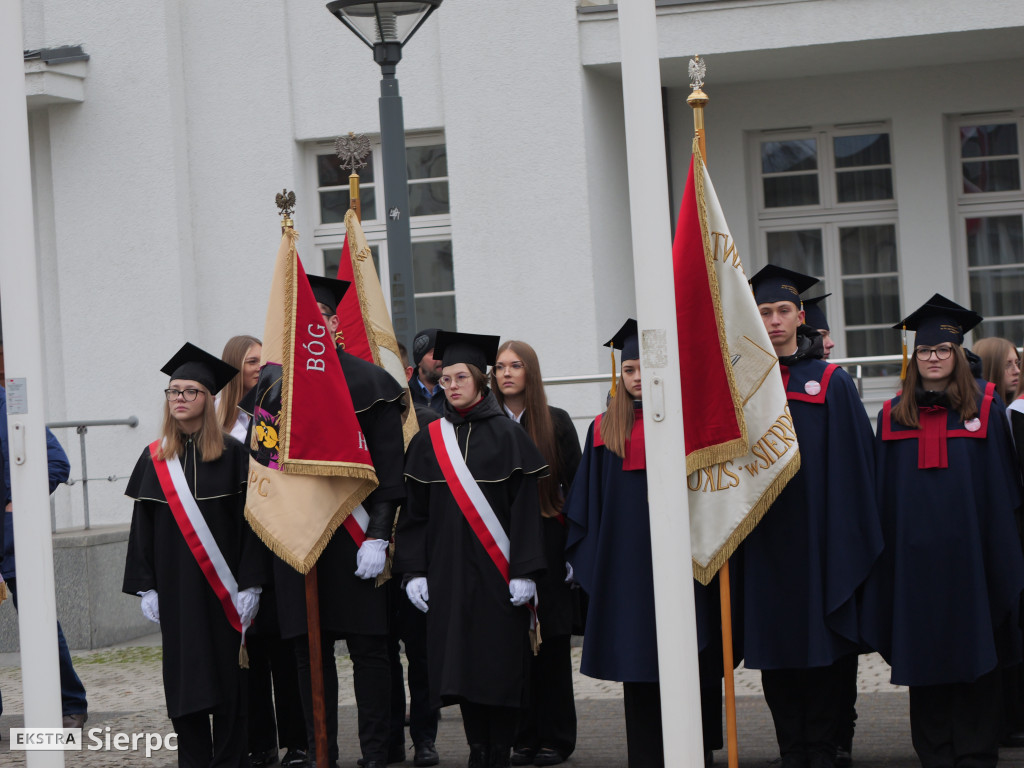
(903, 369)
(614, 385)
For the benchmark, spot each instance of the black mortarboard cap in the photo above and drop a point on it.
(940, 320)
(814, 312)
(470, 348)
(422, 343)
(626, 340)
(191, 362)
(327, 290)
(774, 283)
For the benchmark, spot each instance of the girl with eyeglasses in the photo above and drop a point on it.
(547, 727)
(942, 601)
(470, 544)
(189, 491)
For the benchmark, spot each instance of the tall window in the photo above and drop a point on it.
(827, 207)
(430, 221)
(990, 216)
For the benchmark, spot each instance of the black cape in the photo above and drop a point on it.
(816, 544)
(348, 604)
(200, 648)
(941, 604)
(476, 639)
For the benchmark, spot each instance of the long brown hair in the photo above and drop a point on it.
(539, 424)
(234, 390)
(209, 439)
(993, 352)
(617, 422)
(962, 392)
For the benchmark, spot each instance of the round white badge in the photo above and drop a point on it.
(973, 425)
(812, 387)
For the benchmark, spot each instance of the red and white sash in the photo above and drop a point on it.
(356, 524)
(198, 535)
(471, 500)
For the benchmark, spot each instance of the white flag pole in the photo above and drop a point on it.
(23, 377)
(663, 410)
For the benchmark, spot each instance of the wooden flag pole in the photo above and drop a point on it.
(698, 100)
(316, 666)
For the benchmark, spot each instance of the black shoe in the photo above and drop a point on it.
(426, 754)
(1013, 740)
(263, 759)
(843, 758)
(373, 764)
(548, 756)
(523, 756)
(295, 758)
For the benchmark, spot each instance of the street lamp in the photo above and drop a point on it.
(386, 26)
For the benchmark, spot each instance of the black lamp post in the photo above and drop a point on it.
(385, 26)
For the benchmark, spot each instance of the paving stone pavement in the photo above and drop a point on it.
(126, 695)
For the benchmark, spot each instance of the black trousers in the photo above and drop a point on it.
(644, 745)
(847, 670)
(275, 707)
(550, 719)
(489, 726)
(371, 674)
(224, 747)
(957, 725)
(805, 708)
(409, 625)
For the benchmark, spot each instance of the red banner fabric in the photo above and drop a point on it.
(354, 338)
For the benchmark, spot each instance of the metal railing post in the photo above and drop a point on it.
(82, 429)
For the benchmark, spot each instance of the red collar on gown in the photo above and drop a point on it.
(636, 452)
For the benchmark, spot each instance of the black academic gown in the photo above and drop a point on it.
(942, 602)
(816, 544)
(476, 639)
(200, 648)
(350, 605)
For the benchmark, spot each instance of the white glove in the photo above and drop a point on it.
(150, 606)
(522, 591)
(248, 604)
(370, 558)
(416, 589)
(568, 573)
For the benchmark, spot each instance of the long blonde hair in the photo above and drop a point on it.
(962, 392)
(617, 422)
(209, 439)
(234, 390)
(993, 352)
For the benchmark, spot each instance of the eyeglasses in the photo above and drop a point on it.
(941, 353)
(1013, 365)
(459, 380)
(188, 394)
(502, 367)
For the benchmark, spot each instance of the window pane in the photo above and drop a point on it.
(432, 268)
(789, 156)
(782, 191)
(1007, 329)
(330, 173)
(436, 312)
(868, 250)
(988, 140)
(426, 162)
(871, 300)
(991, 176)
(428, 199)
(995, 240)
(799, 250)
(333, 205)
(998, 292)
(870, 149)
(332, 258)
(871, 342)
(858, 186)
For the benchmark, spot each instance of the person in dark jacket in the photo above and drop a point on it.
(423, 385)
(470, 543)
(74, 705)
(547, 727)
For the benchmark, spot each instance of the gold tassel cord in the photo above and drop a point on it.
(903, 368)
(614, 385)
(243, 656)
(535, 638)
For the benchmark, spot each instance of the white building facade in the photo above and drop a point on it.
(875, 144)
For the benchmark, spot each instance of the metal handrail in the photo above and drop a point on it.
(82, 427)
